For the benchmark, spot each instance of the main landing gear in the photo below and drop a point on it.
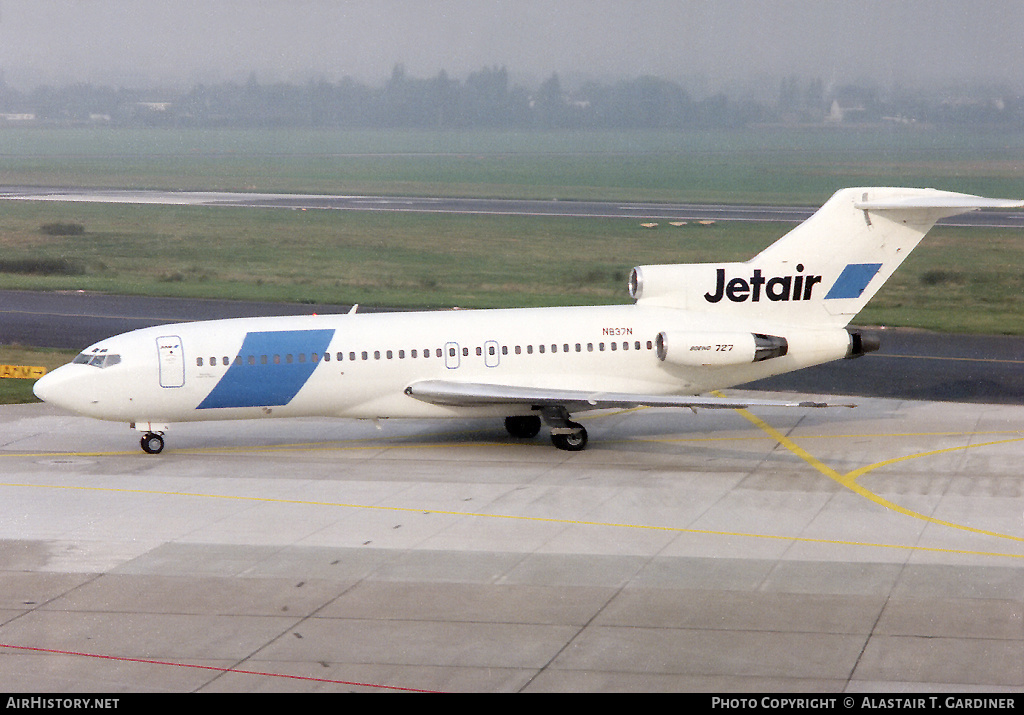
(523, 426)
(152, 442)
(565, 434)
(574, 439)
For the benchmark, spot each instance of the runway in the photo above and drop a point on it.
(646, 211)
(868, 550)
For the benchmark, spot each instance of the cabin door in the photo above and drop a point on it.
(172, 361)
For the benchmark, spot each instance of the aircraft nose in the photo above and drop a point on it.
(57, 388)
(44, 387)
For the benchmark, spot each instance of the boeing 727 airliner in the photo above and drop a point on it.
(693, 328)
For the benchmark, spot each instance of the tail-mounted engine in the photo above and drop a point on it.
(861, 343)
(710, 349)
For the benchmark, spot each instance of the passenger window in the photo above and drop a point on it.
(302, 357)
(225, 361)
(519, 350)
(529, 350)
(376, 354)
(289, 358)
(590, 347)
(277, 359)
(401, 355)
(263, 359)
(615, 346)
(579, 348)
(479, 352)
(412, 354)
(199, 362)
(252, 359)
(314, 358)
(636, 345)
(327, 357)
(390, 355)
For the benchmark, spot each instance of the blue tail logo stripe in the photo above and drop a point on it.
(853, 280)
(268, 384)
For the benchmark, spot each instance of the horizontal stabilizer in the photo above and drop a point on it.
(940, 200)
(465, 394)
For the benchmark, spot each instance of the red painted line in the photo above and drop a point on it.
(210, 667)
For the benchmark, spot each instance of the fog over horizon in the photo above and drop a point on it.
(705, 46)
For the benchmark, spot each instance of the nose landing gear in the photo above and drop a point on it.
(152, 442)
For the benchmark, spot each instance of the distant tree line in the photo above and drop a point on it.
(487, 99)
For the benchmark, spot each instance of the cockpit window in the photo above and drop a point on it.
(100, 360)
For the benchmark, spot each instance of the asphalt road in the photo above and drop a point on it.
(911, 364)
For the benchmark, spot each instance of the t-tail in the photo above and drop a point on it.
(824, 271)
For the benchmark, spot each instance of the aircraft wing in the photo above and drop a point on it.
(464, 394)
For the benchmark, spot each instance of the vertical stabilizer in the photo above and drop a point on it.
(825, 270)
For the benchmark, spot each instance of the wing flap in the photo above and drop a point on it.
(467, 394)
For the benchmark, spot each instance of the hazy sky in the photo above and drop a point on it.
(140, 42)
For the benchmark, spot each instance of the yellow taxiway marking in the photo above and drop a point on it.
(511, 517)
(997, 361)
(849, 480)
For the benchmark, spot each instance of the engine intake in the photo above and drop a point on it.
(710, 349)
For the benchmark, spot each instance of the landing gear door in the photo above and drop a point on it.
(172, 361)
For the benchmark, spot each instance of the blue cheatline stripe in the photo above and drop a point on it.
(269, 385)
(853, 280)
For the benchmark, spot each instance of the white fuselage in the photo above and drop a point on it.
(358, 365)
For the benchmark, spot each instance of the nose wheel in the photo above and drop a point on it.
(152, 443)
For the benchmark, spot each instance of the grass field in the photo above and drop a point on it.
(958, 280)
(773, 166)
